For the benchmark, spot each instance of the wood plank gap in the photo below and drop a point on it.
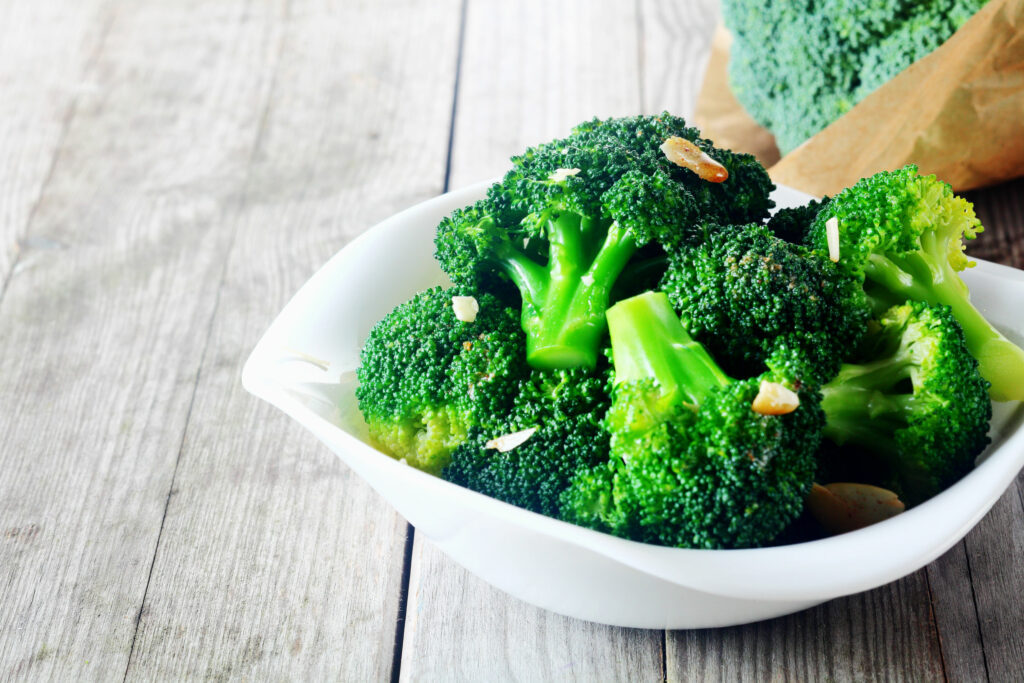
(261, 129)
(664, 656)
(403, 604)
(935, 623)
(977, 613)
(65, 125)
(455, 98)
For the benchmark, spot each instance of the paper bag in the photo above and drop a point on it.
(957, 113)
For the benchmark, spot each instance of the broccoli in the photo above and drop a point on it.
(742, 291)
(796, 67)
(917, 402)
(900, 234)
(791, 224)
(692, 463)
(427, 379)
(574, 214)
(565, 408)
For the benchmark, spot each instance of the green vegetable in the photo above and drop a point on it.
(574, 215)
(742, 291)
(917, 401)
(798, 66)
(901, 234)
(427, 378)
(692, 464)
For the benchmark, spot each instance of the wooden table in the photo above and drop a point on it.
(170, 173)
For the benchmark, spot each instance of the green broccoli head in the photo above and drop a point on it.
(743, 291)
(901, 235)
(573, 214)
(693, 464)
(427, 378)
(797, 67)
(564, 408)
(916, 402)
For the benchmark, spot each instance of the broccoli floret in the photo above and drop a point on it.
(743, 291)
(791, 224)
(796, 67)
(917, 402)
(427, 378)
(565, 408)
(573, 214)
(901, 235)
(692, 464)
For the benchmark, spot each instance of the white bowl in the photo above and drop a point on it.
(305, 365)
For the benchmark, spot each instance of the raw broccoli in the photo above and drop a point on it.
(692, 463)
(917, 402)
(573, 214)
(427, 378)
(901, 234)
(798, 66)
(743, 290)
(565, 408)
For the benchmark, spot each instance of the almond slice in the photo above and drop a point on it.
(507, 442)
(832, 235)
(682, 152)
(846, 507)
(775, 399)
(561, 174)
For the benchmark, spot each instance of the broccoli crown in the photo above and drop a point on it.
(796, 67)
(916, 401)
(427, 378)
(792, 224)
(573, 214)
(743, 290)
(692, 463)
(565, 408)
(901, 235)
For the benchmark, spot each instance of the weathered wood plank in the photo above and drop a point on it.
(102, 331)
(530, 71)
(884, 634)
(459, 628)
(275, 561)
(956, 617)
(675, 45)
(45, 49)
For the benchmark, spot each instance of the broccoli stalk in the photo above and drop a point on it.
(901, 234)
(917, 403)
(693, 464)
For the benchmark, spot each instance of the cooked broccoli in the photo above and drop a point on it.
(565, 407)
(901, 234)
(743, 290)
(427, 378)
(692, 464)
(796, 67)
(917, 402)
(573, 214)
(791, 224)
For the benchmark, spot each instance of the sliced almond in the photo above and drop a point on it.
(775, 399)
(832, 235)
(465, 308)
(682, 152)
(561, 174)
(507, 442)
(846, 507)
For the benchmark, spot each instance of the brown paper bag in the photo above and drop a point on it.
(957, 113)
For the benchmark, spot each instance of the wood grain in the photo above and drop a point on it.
(675, 45)
(101, 335)
(47, 52)
(275, 561)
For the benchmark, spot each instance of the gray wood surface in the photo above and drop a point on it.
(170, 173)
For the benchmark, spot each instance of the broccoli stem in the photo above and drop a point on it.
(650, 343)
(927, 276)
(563, 316)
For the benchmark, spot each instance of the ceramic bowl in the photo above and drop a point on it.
(305, 365)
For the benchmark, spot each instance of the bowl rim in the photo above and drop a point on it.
(809, 570)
